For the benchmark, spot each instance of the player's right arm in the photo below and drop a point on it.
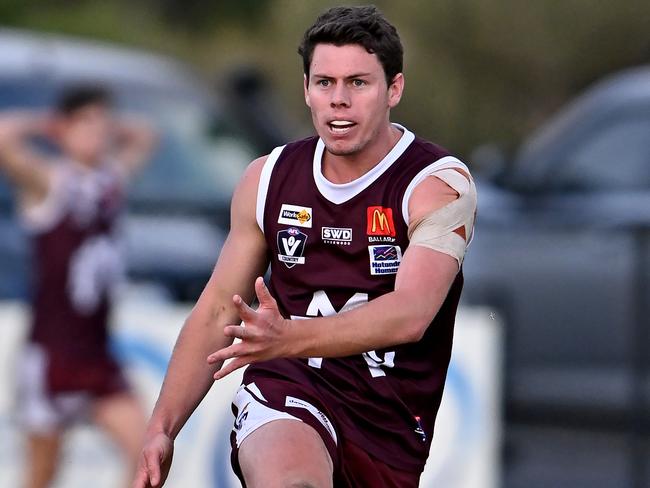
(24, 168)
(189, 377)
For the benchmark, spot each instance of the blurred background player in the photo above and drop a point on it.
(70, 205)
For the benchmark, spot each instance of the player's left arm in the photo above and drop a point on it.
(425, 276)
(135, 141)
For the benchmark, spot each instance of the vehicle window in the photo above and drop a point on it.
(615, 156)
(19, 94)
(199, 156)
(5, 193)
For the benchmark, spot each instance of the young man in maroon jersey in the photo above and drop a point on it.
(365, 227)
(69, 206)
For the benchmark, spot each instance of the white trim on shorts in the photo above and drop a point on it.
(253, 414)
(37, 410)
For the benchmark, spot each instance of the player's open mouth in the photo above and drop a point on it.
(341, 127)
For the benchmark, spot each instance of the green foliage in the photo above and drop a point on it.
(200, 15)
(11, 11)
(476, 70)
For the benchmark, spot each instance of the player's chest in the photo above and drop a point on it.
(367, 236)
(93, 200)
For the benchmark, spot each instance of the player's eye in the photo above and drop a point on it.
(323, 83)
(358, 83)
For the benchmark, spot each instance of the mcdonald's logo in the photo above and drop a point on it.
(380, 222)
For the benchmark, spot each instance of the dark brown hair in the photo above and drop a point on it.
(365, 26)
(72, 98)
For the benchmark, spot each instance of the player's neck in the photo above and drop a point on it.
(340, 169)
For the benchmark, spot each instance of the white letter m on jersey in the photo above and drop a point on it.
(321, 305)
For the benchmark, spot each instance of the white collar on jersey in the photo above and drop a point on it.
(340, 193)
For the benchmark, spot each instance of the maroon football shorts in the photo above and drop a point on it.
(266, 400)
(55, 391)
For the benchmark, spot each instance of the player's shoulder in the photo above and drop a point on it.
(292, 152)
(304, 142)
(429, 150)
(257, 164)
(307, 143)
(442, 178)
(296, 151)
(434, 155)
(250, 178)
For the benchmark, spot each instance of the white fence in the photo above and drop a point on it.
(465, 452)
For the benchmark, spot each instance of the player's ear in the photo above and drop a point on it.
(306, 87)
(395, 90)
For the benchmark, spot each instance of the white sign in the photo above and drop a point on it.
(465, 446)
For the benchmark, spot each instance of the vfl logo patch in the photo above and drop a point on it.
(384, 259)
(291, 245)
(336, 235)
(295, 215)
(380, 225)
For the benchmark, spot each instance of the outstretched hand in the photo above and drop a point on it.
(154, 463)
(262, 335)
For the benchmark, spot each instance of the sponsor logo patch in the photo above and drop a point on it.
(241, 418)
(291, 246)
(320, 416)
(380, 225)
(295, 215)
(336, 235)
(384, 259)
(380, 221)
(381, 239)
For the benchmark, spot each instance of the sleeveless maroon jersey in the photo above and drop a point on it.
(333, 247)
(76, 262)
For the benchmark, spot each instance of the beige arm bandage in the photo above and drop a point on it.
(436, 230)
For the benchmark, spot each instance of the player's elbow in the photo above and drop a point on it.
(417, 327)
(414, 314)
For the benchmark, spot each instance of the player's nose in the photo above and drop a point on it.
(340, 96)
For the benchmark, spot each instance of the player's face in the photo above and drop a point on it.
(349, 98)
(85, 133)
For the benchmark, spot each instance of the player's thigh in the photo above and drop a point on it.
(121, 416)
(285, 454)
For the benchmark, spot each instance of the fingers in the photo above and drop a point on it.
(237, 331)
(142, 479)
(226, 353)
(245, 312)
(234, 365)
(263, 294)
(153, 467)
(235, 351)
